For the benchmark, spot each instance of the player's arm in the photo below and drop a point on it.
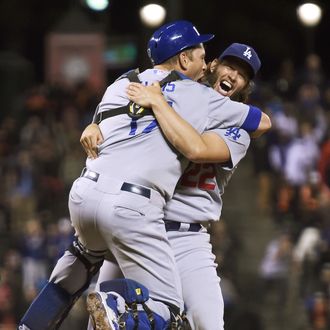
(205, 148)
(264, 125)
(211, 149)
(214, 148)
(198, 148)
(90, 138)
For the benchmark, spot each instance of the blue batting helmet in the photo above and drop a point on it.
(245, 53)
(172, 38)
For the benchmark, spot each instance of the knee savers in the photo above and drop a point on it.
(137, 315)
(92, 260)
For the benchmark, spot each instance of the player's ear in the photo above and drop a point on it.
(213, 65)
(183, 60)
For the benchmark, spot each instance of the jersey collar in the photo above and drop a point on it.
(182, 76)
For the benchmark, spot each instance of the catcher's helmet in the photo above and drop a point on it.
(172, 38)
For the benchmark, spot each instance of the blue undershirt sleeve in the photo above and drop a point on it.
(252, 120)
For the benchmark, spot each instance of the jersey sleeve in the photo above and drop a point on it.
(225, 113)
(115, 95)
(237, 141)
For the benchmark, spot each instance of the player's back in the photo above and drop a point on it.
(198, 195)
(135, 150)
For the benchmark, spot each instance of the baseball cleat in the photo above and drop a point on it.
(102, 308)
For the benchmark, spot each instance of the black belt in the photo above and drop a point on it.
(177, 226)
(126, 186)
(136, 189)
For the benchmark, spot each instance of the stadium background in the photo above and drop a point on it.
(273, 246)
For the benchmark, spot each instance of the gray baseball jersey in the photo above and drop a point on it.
(128, 149)
(197, 196)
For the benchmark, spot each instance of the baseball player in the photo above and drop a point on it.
(197, 197)
(118, 201)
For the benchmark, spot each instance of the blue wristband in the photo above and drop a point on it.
(252, 120)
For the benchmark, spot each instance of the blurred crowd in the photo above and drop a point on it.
(293, 167)
(40, 156)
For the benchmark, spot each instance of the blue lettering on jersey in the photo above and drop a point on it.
(133, 126)
(233, 132)
(169, 87)
(146, 130)
(151, 126)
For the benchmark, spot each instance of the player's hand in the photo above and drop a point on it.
(142, 95)
(90, 138)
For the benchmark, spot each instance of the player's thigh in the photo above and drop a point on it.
(84, 202)
(141, 247)
(130, 214)
(200, 282)
(109, 271)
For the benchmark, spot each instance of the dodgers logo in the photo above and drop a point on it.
(248, 53)
(233, 132)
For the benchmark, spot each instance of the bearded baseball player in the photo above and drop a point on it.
(197, 198)
(118, 201)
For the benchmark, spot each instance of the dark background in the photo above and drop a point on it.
(39, 159)
(271, 27)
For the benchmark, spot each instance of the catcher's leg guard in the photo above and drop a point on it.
(70, 278)
(47, 309)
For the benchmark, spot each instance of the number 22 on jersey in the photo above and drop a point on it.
(199, 176)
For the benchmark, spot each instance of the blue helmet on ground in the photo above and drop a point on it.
(245, 53)
(172, 38)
